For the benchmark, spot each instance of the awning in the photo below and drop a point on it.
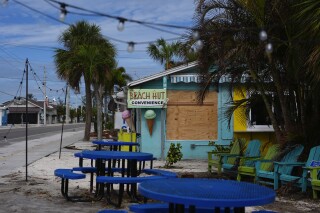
(23, 110)
(186, 78)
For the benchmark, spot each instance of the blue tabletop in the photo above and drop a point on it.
(107, 155)
(208, 193)
(115, 143)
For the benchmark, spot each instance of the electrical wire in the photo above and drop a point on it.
(122, 18)
(108, 37)
(37, 79)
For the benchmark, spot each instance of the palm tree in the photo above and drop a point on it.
(119, 77)
(71, 68)
(164, 53)
(230, 31)
(98, 60)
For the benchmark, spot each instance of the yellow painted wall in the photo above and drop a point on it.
(239, 121)
(240, 125)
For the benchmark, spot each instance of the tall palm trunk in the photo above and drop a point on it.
(98, 90)
(88, 110)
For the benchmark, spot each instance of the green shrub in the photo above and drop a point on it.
(174, 154)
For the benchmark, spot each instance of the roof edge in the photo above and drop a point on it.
(163, 73)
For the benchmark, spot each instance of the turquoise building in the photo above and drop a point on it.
(172, 96)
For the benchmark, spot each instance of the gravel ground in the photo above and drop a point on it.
(41, 193)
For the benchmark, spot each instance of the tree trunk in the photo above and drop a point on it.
(88, 111)
(98, 89)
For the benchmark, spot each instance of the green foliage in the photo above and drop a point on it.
(224, 148)
(109, 125)
(174, 154)
(220, 148)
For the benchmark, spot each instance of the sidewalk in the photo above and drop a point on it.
(42, 192)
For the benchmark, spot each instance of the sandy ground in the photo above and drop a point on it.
(41, 193)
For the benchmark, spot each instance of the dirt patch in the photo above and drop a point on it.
(42, 191)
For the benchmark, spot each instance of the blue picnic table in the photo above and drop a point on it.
(128, 168)
(193, 193)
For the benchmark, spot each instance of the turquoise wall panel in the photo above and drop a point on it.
(148, 143)
(225, 134)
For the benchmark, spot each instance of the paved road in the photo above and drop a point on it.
(17, 133)
(13, 151)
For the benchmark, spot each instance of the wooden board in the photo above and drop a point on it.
(186, 120)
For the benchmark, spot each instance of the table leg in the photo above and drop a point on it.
(171, 208)
(180, 208)
(100, 165)
(239, 210)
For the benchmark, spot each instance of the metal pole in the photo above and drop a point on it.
(63, 120)
(45, 99)
(27, 62)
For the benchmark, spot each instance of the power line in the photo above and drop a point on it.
(119, 18)
(132, 43)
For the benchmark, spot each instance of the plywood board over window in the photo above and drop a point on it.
(186, 120)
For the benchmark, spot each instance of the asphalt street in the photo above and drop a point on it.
(16, 154)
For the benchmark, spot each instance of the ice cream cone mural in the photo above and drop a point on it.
(126, 115)
(150, 115)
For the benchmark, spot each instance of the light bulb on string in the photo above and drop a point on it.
(199, 44)
(130, 47)
(121, 24)
(195, 35)
(269, 48)
(263, 35)
(63, 12)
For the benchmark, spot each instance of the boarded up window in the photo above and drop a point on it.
(186, 120)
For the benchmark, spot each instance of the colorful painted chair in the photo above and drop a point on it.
(300, 181)
(215, 158)
(244, 170)
(252, 151)
(267, 177)
(315, 180)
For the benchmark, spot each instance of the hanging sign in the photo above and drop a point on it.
(147, 98)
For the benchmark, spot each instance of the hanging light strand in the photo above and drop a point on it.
(123, 18)
(108, 37)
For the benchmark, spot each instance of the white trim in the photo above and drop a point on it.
(163, 73)
(260, 128)
(185, 78)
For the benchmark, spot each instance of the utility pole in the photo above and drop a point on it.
(27, 86)
(67, 104)
(45, 99)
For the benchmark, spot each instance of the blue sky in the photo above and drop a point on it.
(27, 34)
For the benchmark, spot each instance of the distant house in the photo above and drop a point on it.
(16, 112)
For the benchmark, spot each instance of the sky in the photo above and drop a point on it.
(26, 32)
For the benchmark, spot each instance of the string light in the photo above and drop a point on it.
(131, 46)
(263, 35)
(63, 12)
(195, 35)
(106, 15)
(121, 24)
(199, 44)
(269, 48)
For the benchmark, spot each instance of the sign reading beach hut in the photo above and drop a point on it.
(147, 98)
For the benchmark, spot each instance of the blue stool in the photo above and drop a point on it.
(66, 175)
